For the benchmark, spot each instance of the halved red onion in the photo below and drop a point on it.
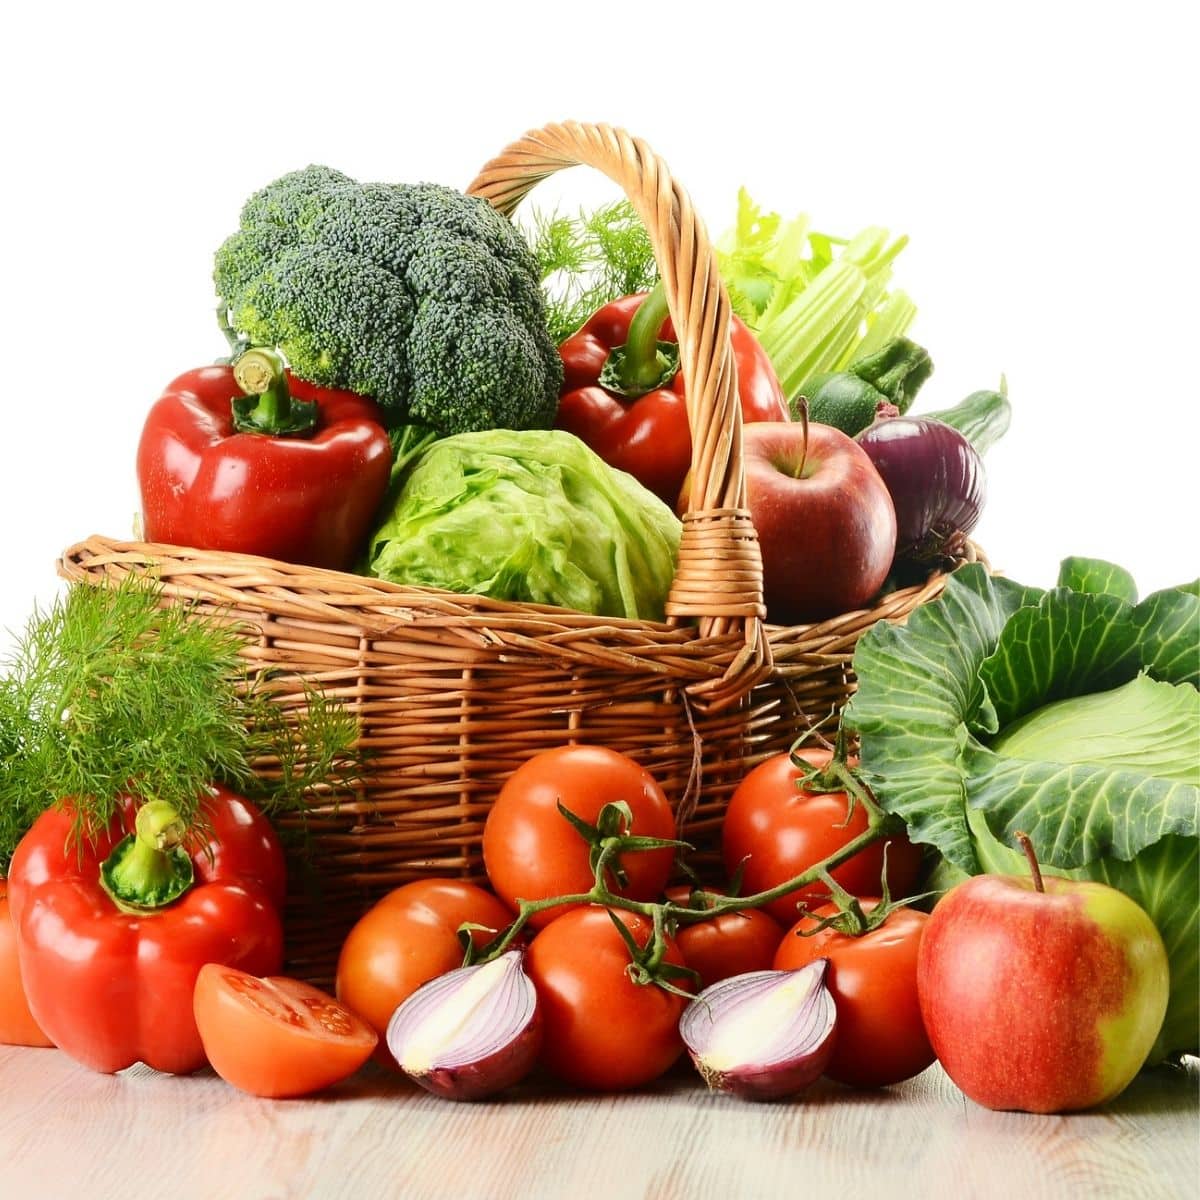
(471, 1032)
(763, 1035)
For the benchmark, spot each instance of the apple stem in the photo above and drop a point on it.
(802, 413)
(1026, 845)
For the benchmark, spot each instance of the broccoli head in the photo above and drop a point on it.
(415, 294)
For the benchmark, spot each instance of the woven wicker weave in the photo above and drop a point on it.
(452, 692)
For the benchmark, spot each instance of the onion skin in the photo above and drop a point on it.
(501, 1051)
(775, 1082)
(478, 1080)
(772, 1080)
(936, 479)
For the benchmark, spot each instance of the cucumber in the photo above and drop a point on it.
(982, 418)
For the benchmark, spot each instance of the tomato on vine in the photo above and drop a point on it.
(602, 1030)
(881, 1037)
(532, 850)
(730, 943)
(775, 829)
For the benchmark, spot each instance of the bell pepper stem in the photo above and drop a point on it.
(268, 406)
(643, 363)
(642, 366)
(149, 869)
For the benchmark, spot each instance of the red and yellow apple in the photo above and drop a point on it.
(1042, 1001)
(825, 520)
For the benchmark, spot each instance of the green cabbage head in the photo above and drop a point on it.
(1072, 714)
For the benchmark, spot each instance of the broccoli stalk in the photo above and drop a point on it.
(417, 295)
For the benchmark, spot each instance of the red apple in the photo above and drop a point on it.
(1042, 1001)
(825, 520)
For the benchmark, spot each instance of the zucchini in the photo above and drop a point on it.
(982, 418)
(847, 399)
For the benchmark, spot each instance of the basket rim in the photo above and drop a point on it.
(329, 593)
(335, 606)
(336, 589)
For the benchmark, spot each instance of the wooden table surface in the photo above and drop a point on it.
(66, 1132)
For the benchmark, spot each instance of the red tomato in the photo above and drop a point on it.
(409, 937)
(532, 852)
(730, 944)
(601, 1030)
(880, 1034)
(17, 1026)
(276, 1037)
(780, 831)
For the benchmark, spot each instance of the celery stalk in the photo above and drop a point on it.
(811, 317)
(819, 302)
(890, 320)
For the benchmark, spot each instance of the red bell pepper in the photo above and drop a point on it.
(112, 930)
(623, 394)
(295, 472)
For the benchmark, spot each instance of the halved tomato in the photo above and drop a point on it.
(276, 1037)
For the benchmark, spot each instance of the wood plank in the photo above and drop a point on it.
(65, 1131)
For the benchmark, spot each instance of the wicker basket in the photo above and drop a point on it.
(452, 692)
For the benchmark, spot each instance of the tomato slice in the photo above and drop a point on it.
(276, 1037)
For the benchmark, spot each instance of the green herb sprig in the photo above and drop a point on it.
(110, 693)
(588, 259)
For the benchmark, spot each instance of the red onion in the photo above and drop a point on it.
(763, 1035)
(471, 1032)
(935, 476)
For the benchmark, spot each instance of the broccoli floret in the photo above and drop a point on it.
(415, 294)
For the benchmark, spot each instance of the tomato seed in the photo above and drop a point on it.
(256, 995)
(331, 1017)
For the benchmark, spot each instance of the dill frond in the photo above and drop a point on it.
(110, 693)
(586, 260)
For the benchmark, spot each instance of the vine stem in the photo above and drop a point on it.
(705, 905)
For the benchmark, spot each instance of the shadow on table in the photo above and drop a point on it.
(1155, 1091)
(1159, 1090)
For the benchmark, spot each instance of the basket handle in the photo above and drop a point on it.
(719, 574)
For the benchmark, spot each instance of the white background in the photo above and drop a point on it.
(1039, 156)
